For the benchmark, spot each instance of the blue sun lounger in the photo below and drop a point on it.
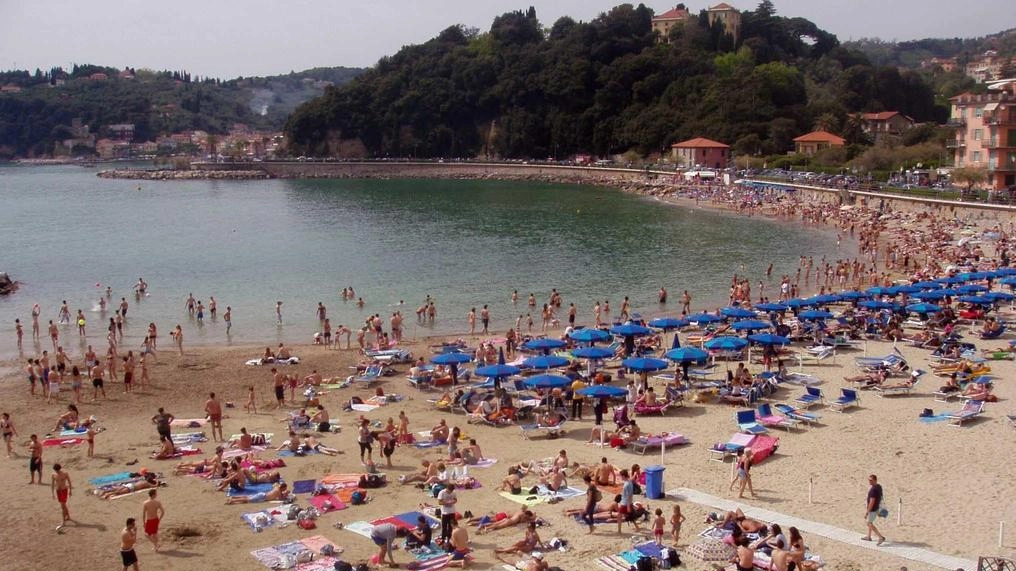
(811, 397)
(748, 423)
(847, 399)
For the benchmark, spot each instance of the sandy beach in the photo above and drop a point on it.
(955, 483)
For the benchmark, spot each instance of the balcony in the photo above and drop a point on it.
(956, 122)
(1004, 119)
(1004, 166)
(956, 143)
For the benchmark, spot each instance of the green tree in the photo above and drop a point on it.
(969, 177)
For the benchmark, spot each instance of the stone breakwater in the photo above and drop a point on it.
(135, 174)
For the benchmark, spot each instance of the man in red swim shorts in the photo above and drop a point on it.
(151, 513)
(61, 487)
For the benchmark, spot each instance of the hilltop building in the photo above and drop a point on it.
(813, 142)
(986, 133)
(669, 20)
(728, 16)
(879, 126)
(701, 152)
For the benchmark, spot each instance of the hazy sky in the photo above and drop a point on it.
(227, 38)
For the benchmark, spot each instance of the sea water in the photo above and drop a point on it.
(69, 234)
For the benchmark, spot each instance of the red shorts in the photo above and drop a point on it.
(61, 496)
(622, 510)
(151, 526)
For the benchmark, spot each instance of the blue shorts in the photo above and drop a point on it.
(459, 555)
(257, 498)
(379, 541)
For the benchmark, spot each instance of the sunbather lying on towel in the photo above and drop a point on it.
(255, 477)
(737, 517)
(150, 481)
(278, 492)
(426, 473)
(522, 516)
(628, 433)
(603, 512)
(201, 466)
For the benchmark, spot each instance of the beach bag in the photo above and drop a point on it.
(294, 511)
(371, 481)
(343, 566)
(328, 549)
(673, 557)
(362, 567)
(645, 563)
(358, 497)
(305, 556)
(306, 523)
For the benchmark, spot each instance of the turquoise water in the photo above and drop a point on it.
(465, 243)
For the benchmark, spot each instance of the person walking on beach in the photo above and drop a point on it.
(873, 505)
(228, 318)
(279, 385)
(35, 460)
(9, 432)
(485, 318)
(162, 421)
(152, 513)
(213, 408)
(177, 335)
(128, 537)
(60, 485)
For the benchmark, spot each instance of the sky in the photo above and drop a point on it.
(230, 38)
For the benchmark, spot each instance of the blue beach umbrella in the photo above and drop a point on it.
(668, 323)
(592, 353)
(602, 391)
(451, 358)
(630, 330)
(815, 314)
(687, 355)
(497, 371)
(853, 295)
(589, 335)
(933, 295)
(906, 289)
(703, 318)
(768, 339)
(923, 308)
(545, 362)
(797, 302)
(547, 382)
(972, 288)
(750, 325)
(970, 276)
(880, 291)
(1006, 271)
(950, 280)
(644, 364)
(545, 344)
(975, 299)
(737, 312)
(772, 306)
(928, 285)
(999, 296)
(726, 343)
(1009, 281)
(823, 299)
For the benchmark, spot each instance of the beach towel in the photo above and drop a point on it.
(334, 386)
(358, 407)
(345, 494)
(189, 437)
(649, 548)
(62, 441)
(359, 528)
(485, 463)
(316, 542)
(250, 490)
(234, 452)
(304, 486)
(429, 443)
(426, 552)
(564, 493)
(433, 564)
(320, 563)
(286, 452)
(251, 518)
(320, 500)
(935, 418)
(409, 519)
(189, 422)
(613, 563)
(341, 480)
(110, 479)
(528, 500)
(267, 435)
(72, 432)
(180, 453)
(259, 361)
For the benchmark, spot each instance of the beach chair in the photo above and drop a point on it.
(534, 428)
(372, 374)
(770, 419)
(811, 397)
(808, 418)
(813, 357)
(656, 441)
(971, 410)
(720, 452)
(748, 423)
(873, 361)
(994, 334)
(848, 398)
(659, 408)
(902, 388)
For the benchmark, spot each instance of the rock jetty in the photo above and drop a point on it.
(137, 174)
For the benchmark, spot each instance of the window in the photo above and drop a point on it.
(977, 134)
(978, 111)
(975, 157)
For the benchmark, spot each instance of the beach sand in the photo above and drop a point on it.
(956, 484)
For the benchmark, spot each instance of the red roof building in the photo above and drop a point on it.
(670, 19)
(701, 152)
(813, 142)
(879, 125)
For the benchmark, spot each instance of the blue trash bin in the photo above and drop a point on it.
(654, 482)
